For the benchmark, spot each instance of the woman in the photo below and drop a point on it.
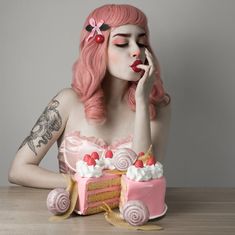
(116, 99)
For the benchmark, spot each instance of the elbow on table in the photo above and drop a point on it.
(14, 175)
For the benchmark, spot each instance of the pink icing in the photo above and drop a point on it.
(151, 192)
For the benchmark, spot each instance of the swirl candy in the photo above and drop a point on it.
(123, 158)
(58, 201)
(135, 212)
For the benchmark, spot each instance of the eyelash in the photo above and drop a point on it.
(126, 44)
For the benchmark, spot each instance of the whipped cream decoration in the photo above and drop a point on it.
(108, 163)
(100, 162)
(155, 170)
(145, 173)
(88, 171)
(138, 174)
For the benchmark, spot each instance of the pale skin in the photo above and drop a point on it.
(65, 114)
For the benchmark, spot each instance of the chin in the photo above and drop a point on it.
(133, 77)
(130, 79)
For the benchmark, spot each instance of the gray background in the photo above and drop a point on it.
(195, 43)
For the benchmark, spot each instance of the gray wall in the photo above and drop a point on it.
(194, 40)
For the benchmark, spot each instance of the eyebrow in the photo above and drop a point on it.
(127, 35)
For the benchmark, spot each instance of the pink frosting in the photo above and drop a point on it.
(151, 193)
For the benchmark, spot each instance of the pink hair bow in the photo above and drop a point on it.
(96, 27)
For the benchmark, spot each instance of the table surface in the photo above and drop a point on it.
(190, 211)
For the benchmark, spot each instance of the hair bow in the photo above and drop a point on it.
(94, 27)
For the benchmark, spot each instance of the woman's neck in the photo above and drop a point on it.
(114, 90)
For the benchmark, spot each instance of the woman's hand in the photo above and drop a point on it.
(145, 83)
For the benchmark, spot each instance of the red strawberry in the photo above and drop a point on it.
(151, 161)
(91, 162)
(140, 154)
(86, 157)
(95, 155)
(109, 154)
(139, 164)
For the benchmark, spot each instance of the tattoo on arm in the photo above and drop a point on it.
(48, 122)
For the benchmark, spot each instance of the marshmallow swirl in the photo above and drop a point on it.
(123, 158)
(135, 212)
(58, 201)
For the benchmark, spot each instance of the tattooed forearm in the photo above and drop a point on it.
(48, 122)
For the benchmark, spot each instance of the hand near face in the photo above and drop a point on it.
(145, 83)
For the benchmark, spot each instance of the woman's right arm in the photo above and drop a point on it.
(25, 169)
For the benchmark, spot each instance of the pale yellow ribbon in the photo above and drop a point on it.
(117, 220)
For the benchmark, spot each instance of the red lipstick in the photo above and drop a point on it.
(133, 66)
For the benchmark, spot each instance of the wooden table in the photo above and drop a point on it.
(191, 211)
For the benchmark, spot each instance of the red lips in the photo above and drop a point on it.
(133, 66)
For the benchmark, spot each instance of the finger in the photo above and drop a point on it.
(149, 56)
(150, 60)
(144, 68)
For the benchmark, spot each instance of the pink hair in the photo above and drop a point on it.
(90, 68)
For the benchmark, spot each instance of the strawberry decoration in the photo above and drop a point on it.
(139, 164)
(86, 157)
(95, 155)
(151, 161)
(109, 154)
(91, 162)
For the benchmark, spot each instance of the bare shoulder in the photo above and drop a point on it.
(67, 95)
(67, 99)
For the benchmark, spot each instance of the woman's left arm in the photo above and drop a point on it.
(153, 132)
(148, 132)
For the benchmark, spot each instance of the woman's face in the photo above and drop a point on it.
(126, 49)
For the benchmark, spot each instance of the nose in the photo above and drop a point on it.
(135, 51)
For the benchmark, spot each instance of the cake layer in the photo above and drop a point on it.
(105, 181)
(92, 192)
(151, 192)
(104, 195)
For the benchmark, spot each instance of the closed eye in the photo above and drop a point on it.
(126, 44)
(121, 45)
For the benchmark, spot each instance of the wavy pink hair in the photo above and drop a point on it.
(90, 68)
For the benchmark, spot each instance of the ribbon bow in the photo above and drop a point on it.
(95, 27)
